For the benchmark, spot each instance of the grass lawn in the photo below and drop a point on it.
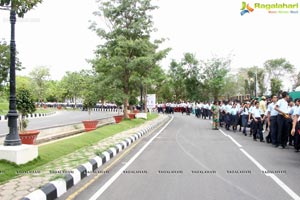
(50, 152)
(4, 109)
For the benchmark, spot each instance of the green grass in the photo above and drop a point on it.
(4, 109)
(52, 151)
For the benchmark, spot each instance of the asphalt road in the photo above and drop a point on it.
(60, 118)
(188, 160)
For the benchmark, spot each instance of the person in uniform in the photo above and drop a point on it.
(245, 115)
(234, 117)
(282, 119)
(257, 120)
(272, 121)
(296, 126)
(215, 110)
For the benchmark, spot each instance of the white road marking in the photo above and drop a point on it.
(112, 179)
(281, 184)
(288, 190)
(231, 138)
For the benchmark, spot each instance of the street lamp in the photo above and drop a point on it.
(12, 138)
(256, 83)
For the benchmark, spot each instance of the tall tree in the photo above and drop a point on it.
(5, 62)
(192, 76)
(215, 71)
(39, 77)
(73, 83)
(276, 85)
(127, 52)
(278, 68)
(177, 80)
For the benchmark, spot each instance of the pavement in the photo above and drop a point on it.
(29, 182)
(189, 160)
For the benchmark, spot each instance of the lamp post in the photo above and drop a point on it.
(256, 83)
(12, 139)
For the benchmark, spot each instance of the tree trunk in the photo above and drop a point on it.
(145, 98)
(90, 111)
(126, 116)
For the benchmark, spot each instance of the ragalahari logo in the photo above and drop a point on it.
(246, 8)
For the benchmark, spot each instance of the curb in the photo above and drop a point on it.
(56, 188)
(34, 115)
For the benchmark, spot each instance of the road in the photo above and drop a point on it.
(188, 160)
(60, 118)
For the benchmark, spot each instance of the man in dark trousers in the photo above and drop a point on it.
(296, 126)
(282, 119)
(272, 121)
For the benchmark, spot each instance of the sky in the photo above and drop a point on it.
(56, 35)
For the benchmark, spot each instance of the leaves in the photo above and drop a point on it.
(25, 105)
(5, 62)
(20, 6)
(128, 57)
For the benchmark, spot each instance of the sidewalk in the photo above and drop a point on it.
(23, 185)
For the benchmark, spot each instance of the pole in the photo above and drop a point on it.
(256, 83)
(12, 139)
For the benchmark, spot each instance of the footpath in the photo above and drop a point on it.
(27, 183)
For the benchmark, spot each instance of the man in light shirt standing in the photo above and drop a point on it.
(296, 126)
(257, 122)
(282, 119)
(272, 121)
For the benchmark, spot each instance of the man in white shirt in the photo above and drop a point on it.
(272, 120)
(282, 119)
(257, 120)
(296, 125)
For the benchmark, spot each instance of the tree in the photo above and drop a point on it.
(127, 53)
(40, 76)
(20, 6)
(72, 83)
(276, 85)
(230, 86)
(215, 71)
(25, 106)
(295, 80)
(192, 76)
(277, 68)
(5, 62)
(177, 79)
(54, 92)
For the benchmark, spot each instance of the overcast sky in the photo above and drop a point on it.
(56, 33)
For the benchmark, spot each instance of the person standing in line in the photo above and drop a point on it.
(257, 120)
(234, 117)
(290, 123)
(245, 115)
(272, 121)
(262, 107)
(227, 115)
(296, 126)
(222, 113)
(250, 119)
(215, 110)
(282, 119)
(183, 107)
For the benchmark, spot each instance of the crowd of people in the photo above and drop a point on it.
(276, 117)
